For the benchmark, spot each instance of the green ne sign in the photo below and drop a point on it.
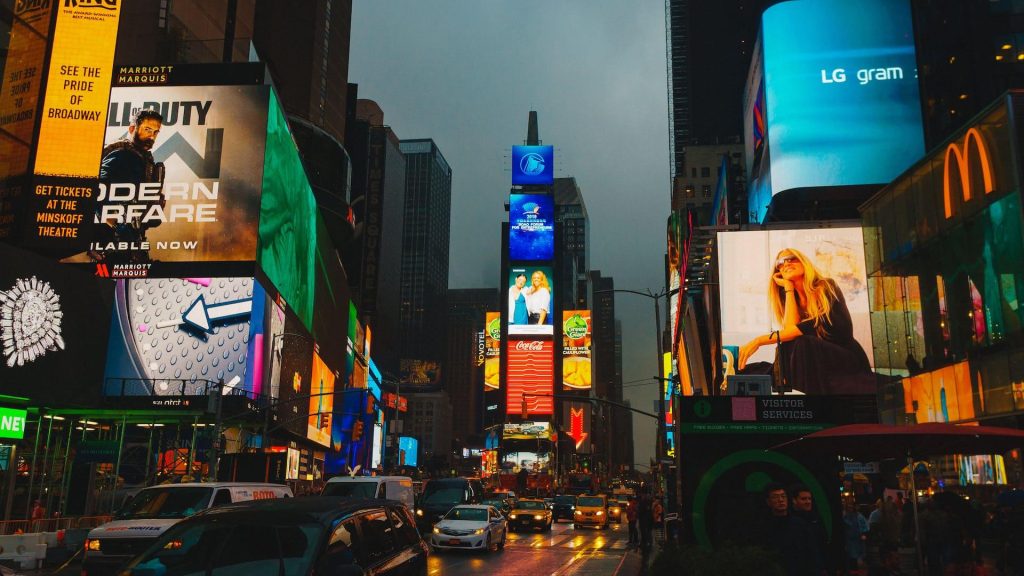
(12, 423)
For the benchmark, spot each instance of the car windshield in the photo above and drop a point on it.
(590, 501)
(530, 505)
(444, 494)
(166, 503)
(496, 502)
(565, 500)
(472, 514)
(351, 489)
(232, 547)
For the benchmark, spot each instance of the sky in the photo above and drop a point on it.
(466, 73)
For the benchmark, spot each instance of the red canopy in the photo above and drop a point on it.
(878, 441)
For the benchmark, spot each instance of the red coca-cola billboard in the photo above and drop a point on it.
(531, 370)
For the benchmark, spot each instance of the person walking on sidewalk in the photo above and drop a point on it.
(645, 516)
(631, 516)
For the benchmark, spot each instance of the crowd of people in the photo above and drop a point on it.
(951, 531)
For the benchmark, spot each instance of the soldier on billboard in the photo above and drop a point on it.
(129, 161)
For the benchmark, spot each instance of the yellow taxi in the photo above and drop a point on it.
(591, 511)
(616, 510)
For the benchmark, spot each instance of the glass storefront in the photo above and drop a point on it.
(945, 259)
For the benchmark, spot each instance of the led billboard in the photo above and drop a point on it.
(321, 402)
(527, 431)
(577, 335)
(841, 97)
(943, 395)
(492, 351)
(821, 274)
(173, 336)
(54, 323)
(576, 416)
(531, 371)
(20, 87)
(531, 227)
(408, 449)
(199, 202)
(533, 165)
(423, 373)
(530, 300)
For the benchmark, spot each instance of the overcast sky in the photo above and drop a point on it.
(467, 72)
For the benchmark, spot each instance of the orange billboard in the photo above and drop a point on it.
(78, 89)
(577, 342)
(321, 403)
(943, 395)
(492, 351)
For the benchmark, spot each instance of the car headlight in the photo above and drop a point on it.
(600, 512)
(436, 530)
(615, 510)
(479, 531)
(92, 545)
(419, 512)
(538, 516)
(579, 512)
(572, 507)
(511, 516)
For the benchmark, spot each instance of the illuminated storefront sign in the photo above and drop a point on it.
(12, 423)
(963, 167)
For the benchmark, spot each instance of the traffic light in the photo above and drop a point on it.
(357, 430)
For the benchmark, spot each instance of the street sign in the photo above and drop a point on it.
(12, 423)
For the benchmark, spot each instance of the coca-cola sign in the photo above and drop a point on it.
(531, 371)
(531, 346)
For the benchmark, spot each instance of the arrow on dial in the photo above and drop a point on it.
(202, 316)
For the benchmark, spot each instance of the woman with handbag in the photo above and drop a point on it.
(817, 352)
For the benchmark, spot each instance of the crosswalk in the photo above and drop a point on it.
(565, 537)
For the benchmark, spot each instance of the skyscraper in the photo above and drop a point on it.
(968, 54)
(572, 244)
(709, 50)
(373, 257)
(424, 266)
(463, 366)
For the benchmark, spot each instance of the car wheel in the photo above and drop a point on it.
(487, 544)
(501, 545)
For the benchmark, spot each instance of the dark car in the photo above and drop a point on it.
(564, 506)
(321, 535)
(529, 513)
(503, 505)
(441, 495)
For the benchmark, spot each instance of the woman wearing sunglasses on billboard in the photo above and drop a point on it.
(819, 354)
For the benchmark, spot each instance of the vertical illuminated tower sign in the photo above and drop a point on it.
(57, 206)
(529, 315)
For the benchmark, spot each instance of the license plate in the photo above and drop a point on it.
(455, 541)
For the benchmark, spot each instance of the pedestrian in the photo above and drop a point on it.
(802, 502)
(645, 517)
(856, 535)
(631, 515)
(782, 532)
(38, 516)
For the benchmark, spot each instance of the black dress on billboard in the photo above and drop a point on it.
(830, 363)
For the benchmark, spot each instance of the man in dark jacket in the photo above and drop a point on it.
(129, 167)
(782, 532)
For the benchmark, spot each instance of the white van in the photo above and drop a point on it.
(388, 487)
(153, 510)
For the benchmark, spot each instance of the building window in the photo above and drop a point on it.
(705, 172)
(693, 172)
(706, 190)
(689, 191)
